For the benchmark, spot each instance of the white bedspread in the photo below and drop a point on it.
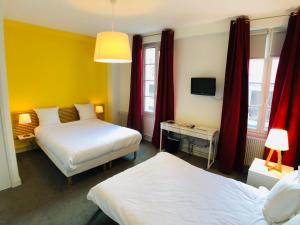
(80, 141)
(168, 191)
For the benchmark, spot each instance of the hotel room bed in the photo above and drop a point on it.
(81, 145)
(167, 190)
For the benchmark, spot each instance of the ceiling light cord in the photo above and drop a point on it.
(113, 2)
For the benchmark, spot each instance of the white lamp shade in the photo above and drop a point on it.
(99, 109)
(278, 140)
(24, 118)
(112, 47)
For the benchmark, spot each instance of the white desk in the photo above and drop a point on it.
(209, 134)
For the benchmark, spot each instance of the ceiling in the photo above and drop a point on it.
(137, 16)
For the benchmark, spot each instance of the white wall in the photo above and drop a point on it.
(119, 91)
(113, 95)
(200, 56)
(9, 174)
(4, 172)
(125, 78)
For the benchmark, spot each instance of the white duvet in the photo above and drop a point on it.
(80, 141)
(166, 190)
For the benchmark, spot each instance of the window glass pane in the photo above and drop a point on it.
(149, 72)
(256, 73)
(275, 62)
(270, 95)
(256, 70)
(149, 88)
(149, 104)
(253, 117)
(267, 118)
(150, 56)
(255, 97)
(255, 92)
(254, 104)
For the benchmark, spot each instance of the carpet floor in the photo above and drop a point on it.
(44, 198)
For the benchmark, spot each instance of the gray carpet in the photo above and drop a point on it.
(44, 198)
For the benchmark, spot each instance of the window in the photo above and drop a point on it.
(150, 76)
(260, 100)
(264, 59)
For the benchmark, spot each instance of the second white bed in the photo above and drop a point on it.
(85, 143)
(167, 190)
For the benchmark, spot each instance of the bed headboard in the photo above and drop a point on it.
(67, 114)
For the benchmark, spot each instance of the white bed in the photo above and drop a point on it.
(81, 145)
(167, 190)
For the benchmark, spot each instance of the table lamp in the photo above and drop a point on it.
(24, 118)
(277, 141)
(99, 109)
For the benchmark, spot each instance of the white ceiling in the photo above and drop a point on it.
(137, 16)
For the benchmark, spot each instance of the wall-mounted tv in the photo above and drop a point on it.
(203, 86)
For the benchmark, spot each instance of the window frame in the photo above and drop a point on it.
(155, 45)
(266, 83)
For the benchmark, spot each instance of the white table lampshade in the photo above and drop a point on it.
(277, 140)
(24, 118)
(99, 109)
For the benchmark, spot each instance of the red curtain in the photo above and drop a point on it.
(165, 84)
(285, 109)
(134, 120)
(233, 131)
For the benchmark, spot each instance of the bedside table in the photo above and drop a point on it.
(259, 175)
(25, 142)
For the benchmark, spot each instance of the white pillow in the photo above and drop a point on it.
(47, 116)
(283, 201)
(86, 111)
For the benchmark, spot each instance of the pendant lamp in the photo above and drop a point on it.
(112, 46)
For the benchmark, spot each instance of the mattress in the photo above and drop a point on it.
(167, 190)
(80, 141)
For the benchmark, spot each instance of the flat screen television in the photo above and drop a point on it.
(203, 86)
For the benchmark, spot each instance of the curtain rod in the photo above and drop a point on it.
(270, 17)
(261, 18)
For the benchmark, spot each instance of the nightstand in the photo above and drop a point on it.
(259, 175)
(25, 142)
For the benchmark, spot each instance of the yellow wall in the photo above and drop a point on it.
(48, 67)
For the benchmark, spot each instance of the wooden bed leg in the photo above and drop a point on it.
(134, 155)
(104, 166)
(110, 164)
(69, 180)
